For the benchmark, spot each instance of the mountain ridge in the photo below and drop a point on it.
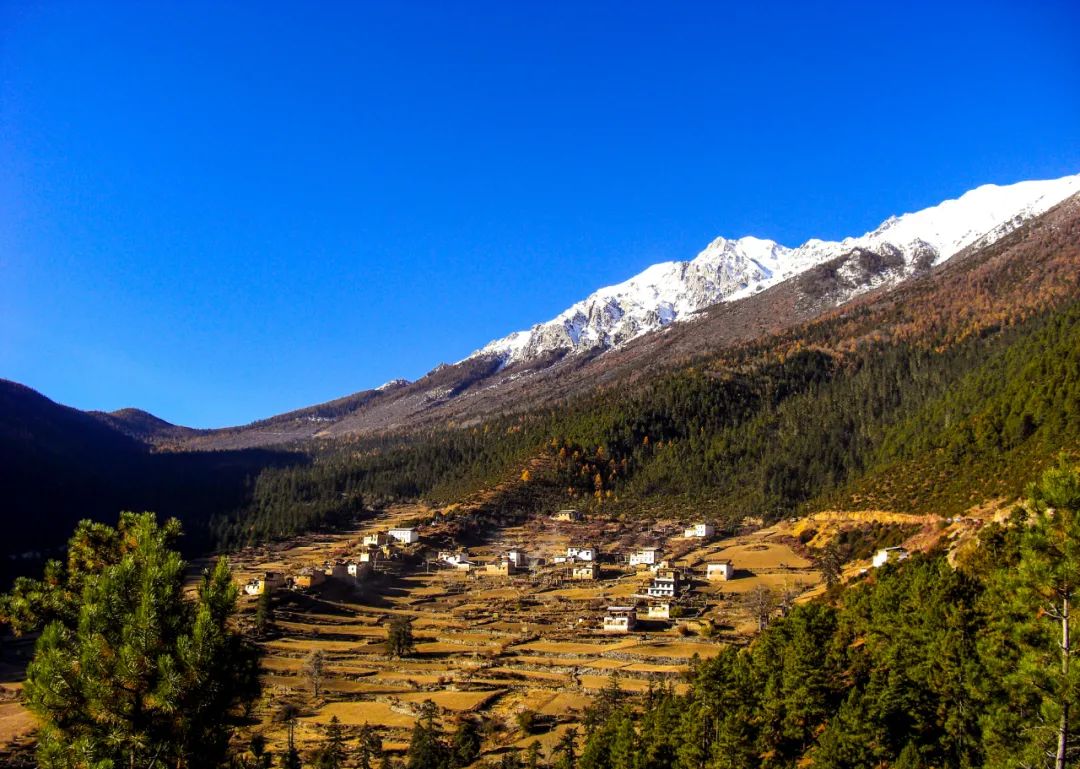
(728, 270)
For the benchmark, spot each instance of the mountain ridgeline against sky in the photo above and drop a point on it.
(734, 269)
(733, 291)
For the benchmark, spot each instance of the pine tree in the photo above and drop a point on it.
(564, 751)
(426, 748)
(1041, 594)
(125, 669)
(466, 743)
(368, 747)
(399, 638)
(264, 612)
(533, 758)
(332, 753)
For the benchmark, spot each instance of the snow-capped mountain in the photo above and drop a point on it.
(733, 269)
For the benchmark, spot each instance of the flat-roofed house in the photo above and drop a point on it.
(646, 556)
(567, 516)
(659, 610)
(270, 580)
(585, 571)
(620, 619)
(405, 535)
(376, 540)
(719, 570)
(309, 577)
(581, 553)
(700, 530)
(664, 585)
(500, 568)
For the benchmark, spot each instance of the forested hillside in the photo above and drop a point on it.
(946, 392)
(918, 665)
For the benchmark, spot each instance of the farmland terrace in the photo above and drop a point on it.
(495, 646)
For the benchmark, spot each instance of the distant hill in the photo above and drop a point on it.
(59, 464)
(143, 426)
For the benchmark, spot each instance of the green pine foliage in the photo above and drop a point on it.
(920, 664)
(898, 424)
(126, 671)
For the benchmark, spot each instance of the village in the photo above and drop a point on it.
(518, 628)
(662, 595)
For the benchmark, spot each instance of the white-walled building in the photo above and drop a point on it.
(587, 570)
(646, 556)
(664, 585)
(271, 580)
(700, 530)
(660, 610)
(890, 555)
(720, 570)
(405, 535)
(581, 553)
(620, 619)
(376, 540)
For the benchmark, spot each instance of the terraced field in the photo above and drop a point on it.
(493, 647)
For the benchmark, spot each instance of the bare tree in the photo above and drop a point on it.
(315, 668)
(790, 592)
(761, 602)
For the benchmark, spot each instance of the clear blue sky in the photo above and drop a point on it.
(221, 211)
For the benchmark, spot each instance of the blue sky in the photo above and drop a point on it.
(221, 211)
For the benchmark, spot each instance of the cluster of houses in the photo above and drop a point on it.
(511, 562)
(351, 572)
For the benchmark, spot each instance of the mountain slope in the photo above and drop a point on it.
(59, 464)
(734, 269)
(484, 385)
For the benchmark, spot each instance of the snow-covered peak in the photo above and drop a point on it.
(727, 269)
(985, 213)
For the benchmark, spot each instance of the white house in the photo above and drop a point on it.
(645, 557)
(405, 535)
(720, 570)
(357, 570)
(518, 558)
(369, 556)
(700, 530)
(660, 610)
(620, 619)
(890, 554)
(664, 585)
(270, 580)
(453, 557)
(581, 553)
(376, 540)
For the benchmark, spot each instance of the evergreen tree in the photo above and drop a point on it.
(332, 753)
(564, 752)
(466, 743)
(1041, 594)
(399, 638)
(426, 748)
(533, 756)
(126, 670)
(264, 612)
(368, 747)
